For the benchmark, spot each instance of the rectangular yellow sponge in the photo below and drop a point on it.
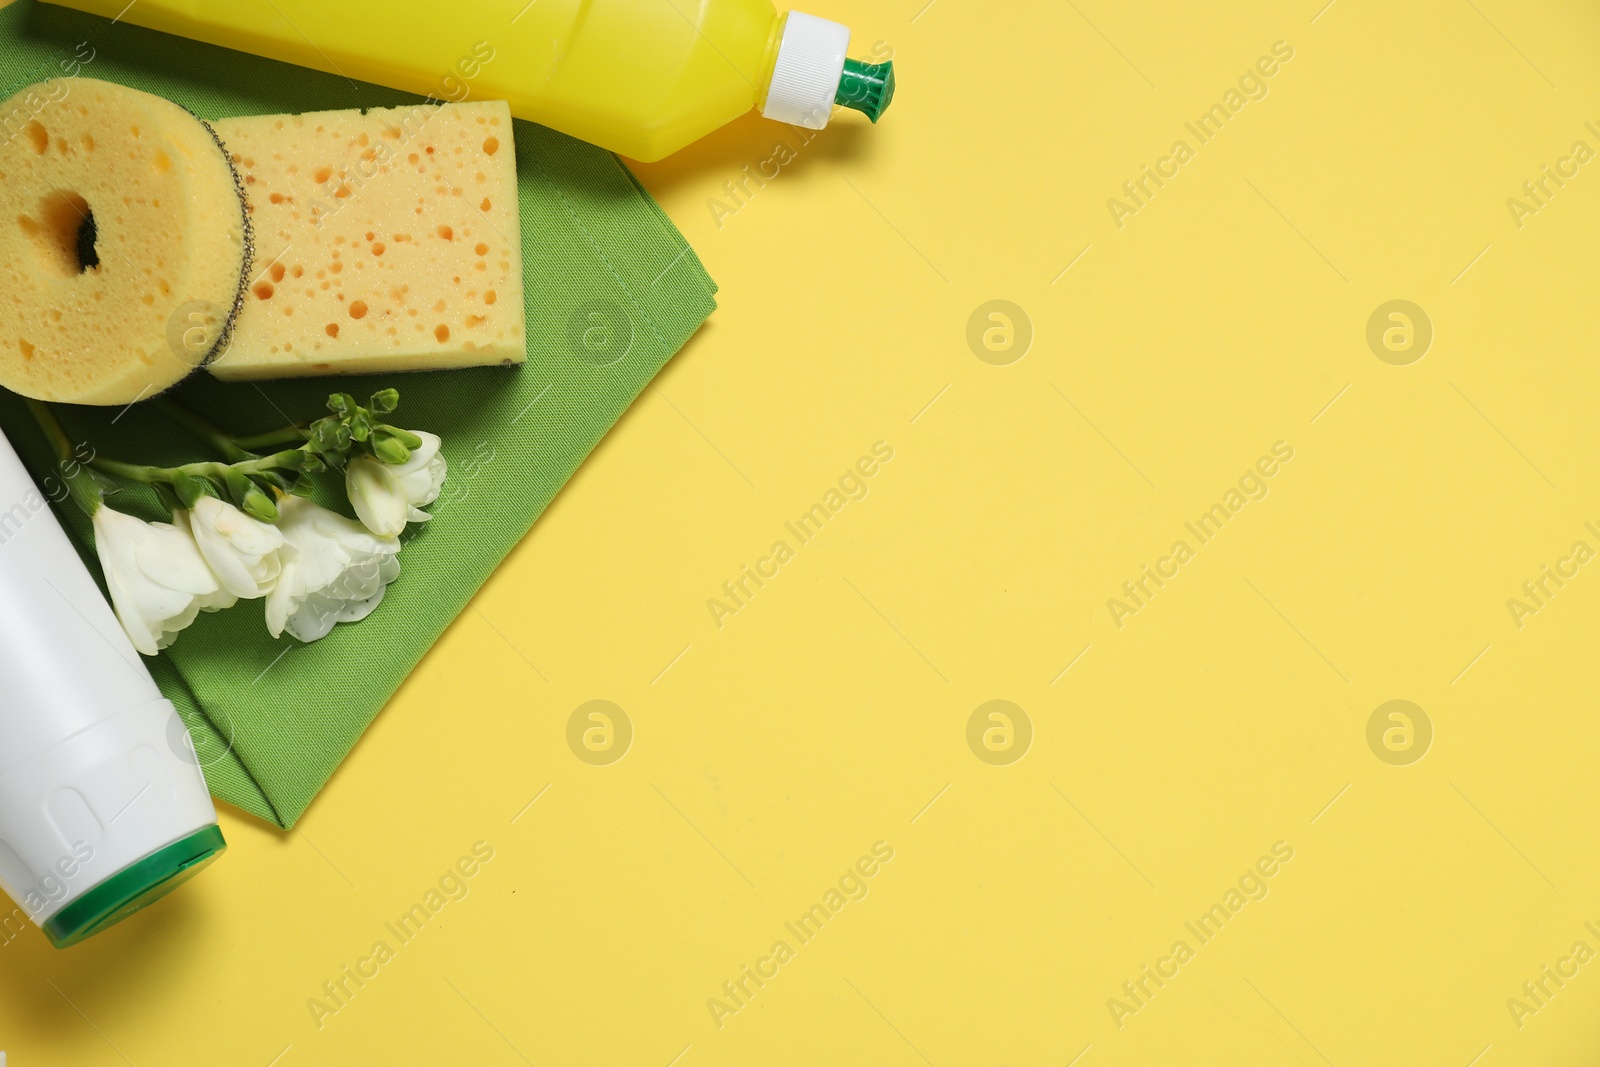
(385, 242)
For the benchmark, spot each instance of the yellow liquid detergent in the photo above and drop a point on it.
(642, 78)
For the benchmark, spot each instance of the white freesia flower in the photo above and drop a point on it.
(158, 580)
(337, 572)
(387, 496)
(245, 553)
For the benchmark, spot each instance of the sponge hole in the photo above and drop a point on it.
(64, 235)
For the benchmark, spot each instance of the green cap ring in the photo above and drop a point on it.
(136, 886)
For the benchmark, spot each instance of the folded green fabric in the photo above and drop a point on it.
(613, 291)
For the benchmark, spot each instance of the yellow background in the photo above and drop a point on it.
(831, 712)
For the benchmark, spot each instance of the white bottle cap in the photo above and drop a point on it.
(806, 78)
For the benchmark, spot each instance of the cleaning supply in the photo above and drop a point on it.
(640, 77)
(103, 806)
(117, 208)
(385, 241)
(612, 293)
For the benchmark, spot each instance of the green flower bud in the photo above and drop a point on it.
(391, 449)
(342, 404)
(330, 437)
(259, 505)
(385, 401)
(405, 437)
(361, 424)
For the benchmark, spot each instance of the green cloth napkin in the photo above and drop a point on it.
(613, 291)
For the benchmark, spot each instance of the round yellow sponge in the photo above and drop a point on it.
(124, 243)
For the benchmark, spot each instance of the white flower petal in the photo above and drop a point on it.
(315, 620)
(157, 578)
(245, 553)
(387, 496)
(377, 495)
(336, 571)
(171, 628)
(423, 475)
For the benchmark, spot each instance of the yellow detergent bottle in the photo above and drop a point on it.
(642, 78)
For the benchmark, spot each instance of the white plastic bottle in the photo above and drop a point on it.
(103, 806)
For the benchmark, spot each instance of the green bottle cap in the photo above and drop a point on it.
(867, 87)
(136, 886)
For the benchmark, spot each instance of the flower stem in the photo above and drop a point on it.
(81, 485)
(289, 435)
(134, 472)
(202, 429)
(60, 443)
(234, 447)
